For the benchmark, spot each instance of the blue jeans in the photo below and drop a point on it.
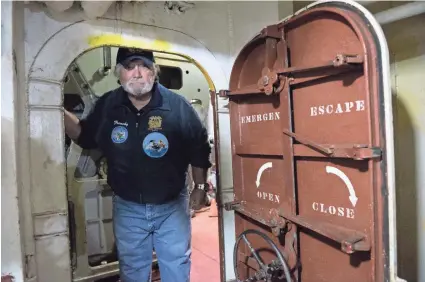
(140, 228)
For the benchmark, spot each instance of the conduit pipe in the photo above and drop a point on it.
(400, 12)
(107, 61)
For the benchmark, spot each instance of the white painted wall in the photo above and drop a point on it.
(406, 39)
(11, 241)
(224, 27)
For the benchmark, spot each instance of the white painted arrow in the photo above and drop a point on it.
(353, 198)
(261, 170)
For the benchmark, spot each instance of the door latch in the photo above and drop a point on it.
(353, 151)
(351, 240)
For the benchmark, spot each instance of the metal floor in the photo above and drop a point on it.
(205, 249)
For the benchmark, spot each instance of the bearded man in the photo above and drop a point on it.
(149, 136)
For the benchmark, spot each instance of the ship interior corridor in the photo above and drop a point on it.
(93, 250)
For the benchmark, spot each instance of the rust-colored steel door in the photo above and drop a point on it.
(308, 144)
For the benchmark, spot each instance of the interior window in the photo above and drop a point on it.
(171, 77)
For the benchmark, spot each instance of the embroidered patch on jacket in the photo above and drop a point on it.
(154, 123)
(120, 123)
(155, 145)
(119, 134)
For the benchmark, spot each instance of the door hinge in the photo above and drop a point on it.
(223, 93)
(271, 31)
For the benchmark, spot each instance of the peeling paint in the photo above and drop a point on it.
(120, 40)
(15, 67)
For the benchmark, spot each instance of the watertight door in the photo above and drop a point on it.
(310, 122)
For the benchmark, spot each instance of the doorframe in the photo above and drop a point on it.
(45, 84)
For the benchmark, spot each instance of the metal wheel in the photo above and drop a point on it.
(266, 272)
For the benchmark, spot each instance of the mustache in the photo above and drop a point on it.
(136, 79)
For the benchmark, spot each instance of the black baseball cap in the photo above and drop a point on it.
(126, 55)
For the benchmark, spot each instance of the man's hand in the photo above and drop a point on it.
(198, 197)
(72, 125)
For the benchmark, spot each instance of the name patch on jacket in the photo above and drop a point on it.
(155, 145)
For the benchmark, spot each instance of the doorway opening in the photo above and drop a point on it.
(93, 253)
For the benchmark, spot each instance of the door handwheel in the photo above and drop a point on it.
(266, 272)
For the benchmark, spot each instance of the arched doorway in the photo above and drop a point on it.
(45, 85)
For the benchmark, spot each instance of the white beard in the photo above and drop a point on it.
(138, 91)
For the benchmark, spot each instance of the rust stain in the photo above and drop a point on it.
(47, 162)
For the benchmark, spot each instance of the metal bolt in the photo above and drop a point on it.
(347, 247)
(276, 231)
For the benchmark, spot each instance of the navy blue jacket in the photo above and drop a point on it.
(147, 151)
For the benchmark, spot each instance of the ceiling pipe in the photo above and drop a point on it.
(400, 12)
(107, 62)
